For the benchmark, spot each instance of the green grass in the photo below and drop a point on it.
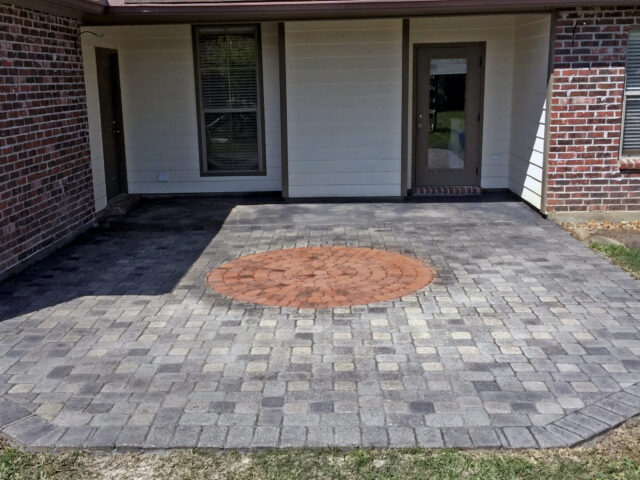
(612, 462)
(627, 258)
(440, 136)
(18, 465)
(411, 464)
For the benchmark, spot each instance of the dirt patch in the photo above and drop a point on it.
(625, 233)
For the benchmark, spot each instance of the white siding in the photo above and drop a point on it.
(344, 103)
(89, 42)
(528, 115)
(159, 111)
(498, 32)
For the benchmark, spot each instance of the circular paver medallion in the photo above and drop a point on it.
(320, 277)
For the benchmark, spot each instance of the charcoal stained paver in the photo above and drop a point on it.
(524, 338)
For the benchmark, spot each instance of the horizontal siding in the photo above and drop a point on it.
(528, 115)
(160, 116)
(344, 107)
(498, 33)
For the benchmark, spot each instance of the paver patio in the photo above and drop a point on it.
(320, 277)
(524, 338)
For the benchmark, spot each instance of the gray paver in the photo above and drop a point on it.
(519, 437)
(11, 412)
(545, 439)
(212, 437)
(429, 437)
(375, 437)
(293, 436)
(402, 437)
(456, 437)
(346, 436)
(239, 437)
(29, 429)
(320, 436)
(484, 437)
(103, 437)
(524, 338)
(265, 436)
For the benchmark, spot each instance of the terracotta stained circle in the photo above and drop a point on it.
(320, 277)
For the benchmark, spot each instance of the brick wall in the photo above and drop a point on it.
(585, 171)
(46, 191)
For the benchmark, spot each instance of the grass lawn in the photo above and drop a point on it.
(626, 258)
(616, 457)
(442, 136)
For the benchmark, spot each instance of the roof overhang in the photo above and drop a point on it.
(66, 8)
(120, 12)
(251, 10)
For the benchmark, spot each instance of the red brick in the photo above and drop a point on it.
(45, 176)
(320, 277)
(589, 67)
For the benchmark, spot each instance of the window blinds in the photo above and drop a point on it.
(631, 135)
(229, 96)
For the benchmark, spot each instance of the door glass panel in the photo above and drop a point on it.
(447, 130)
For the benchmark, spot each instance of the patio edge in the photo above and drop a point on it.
(23, 429)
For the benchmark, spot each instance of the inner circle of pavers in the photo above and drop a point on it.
(320, 277)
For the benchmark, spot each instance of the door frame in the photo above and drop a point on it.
(116, 93)
(414, 100)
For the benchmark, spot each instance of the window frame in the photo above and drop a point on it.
(626, 93)
(202, 143)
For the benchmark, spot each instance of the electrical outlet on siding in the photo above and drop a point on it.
(495, 158)
(163, 176)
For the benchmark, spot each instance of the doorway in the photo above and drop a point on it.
(448, 91)
(115, 169)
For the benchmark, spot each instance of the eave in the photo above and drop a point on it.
(230, 11)
(117, 12)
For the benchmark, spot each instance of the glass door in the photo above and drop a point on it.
(448, 116)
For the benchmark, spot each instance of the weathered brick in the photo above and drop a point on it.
(585, 171)
(46, 190)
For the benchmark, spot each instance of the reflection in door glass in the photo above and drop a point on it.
(447, 86)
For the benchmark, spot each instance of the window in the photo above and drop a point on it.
(631, 128)
(229, 84)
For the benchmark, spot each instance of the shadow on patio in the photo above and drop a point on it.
(145, 252)
(148, 250)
